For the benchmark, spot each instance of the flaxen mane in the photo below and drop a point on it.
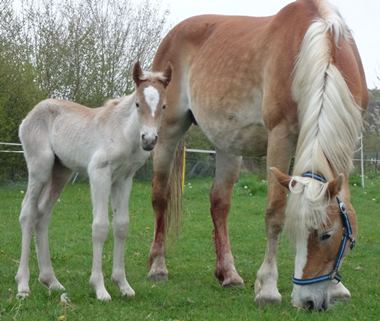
(330, 120)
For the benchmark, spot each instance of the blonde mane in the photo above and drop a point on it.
(330, 120)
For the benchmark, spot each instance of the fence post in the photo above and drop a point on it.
(362, 159)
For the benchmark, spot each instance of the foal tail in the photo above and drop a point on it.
(330, 119)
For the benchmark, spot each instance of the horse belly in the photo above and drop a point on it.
(236, 127)
(248, 140)
(73, 147)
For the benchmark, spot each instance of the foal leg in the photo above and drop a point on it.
(100, 182)
(120, 198)
(39, 168)
(49, 196)
(227, 172)
(278, 155)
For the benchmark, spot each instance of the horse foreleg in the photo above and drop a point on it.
(278, 155)
(100, 182)
(162, 162)
(120, 199)
(158, 270)
(227, 171)
(49, 196)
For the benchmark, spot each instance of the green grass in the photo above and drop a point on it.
(192, 292)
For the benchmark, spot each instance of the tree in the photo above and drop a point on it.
(84, 50)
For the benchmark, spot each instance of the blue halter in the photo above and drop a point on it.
(347, 236)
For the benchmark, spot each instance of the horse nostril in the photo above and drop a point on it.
(309, 305)
(143, 136)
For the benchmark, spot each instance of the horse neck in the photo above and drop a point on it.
(125, 115)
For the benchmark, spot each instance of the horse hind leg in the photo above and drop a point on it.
(227, 171)
(49, 196)
(39, 168)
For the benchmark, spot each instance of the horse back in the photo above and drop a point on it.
(214, 55)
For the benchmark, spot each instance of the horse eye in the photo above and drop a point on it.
(137, 105)
(164, 106)
(325, 236)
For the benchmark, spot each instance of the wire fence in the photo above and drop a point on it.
(199, 163)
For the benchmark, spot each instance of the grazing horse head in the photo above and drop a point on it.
(322, 224)
(150, 102)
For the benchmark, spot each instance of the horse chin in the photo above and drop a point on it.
(311, 297)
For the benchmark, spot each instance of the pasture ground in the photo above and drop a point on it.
(192, 292)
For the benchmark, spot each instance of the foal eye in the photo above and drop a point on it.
(137, 105)
(325, 236)
(164, 106)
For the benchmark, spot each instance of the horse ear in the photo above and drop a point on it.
(335, 186)
(168, 74)
(137, 73)
(282, 178)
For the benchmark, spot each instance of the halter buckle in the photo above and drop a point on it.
(353, 243)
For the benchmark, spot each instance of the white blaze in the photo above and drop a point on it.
(301, 255)
(152, 97)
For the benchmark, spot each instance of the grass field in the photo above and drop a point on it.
(192, 292)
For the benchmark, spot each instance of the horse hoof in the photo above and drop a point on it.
(103, 296)
(51, 283)
(262, 300)
(22, 295)
(339, 292)
(230, 279)
(270, 297)
(158, 276)
(128, 292)
(234, 283)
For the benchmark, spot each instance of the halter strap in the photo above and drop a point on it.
(315, 176)
(347, 236)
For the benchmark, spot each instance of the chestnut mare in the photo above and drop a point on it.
(110, 143)
(298, 75)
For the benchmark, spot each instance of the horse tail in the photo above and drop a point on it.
(174, 208)
(330, 119)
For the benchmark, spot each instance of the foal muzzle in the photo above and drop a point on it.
(148, 141)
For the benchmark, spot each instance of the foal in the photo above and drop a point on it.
(110, 143)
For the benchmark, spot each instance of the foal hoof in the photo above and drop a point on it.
(22, 295)
(103, 295)
(158, 276)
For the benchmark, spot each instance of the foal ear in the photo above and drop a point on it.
(282, 178)
(335, 186)
(168, 75)
(137, 73)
